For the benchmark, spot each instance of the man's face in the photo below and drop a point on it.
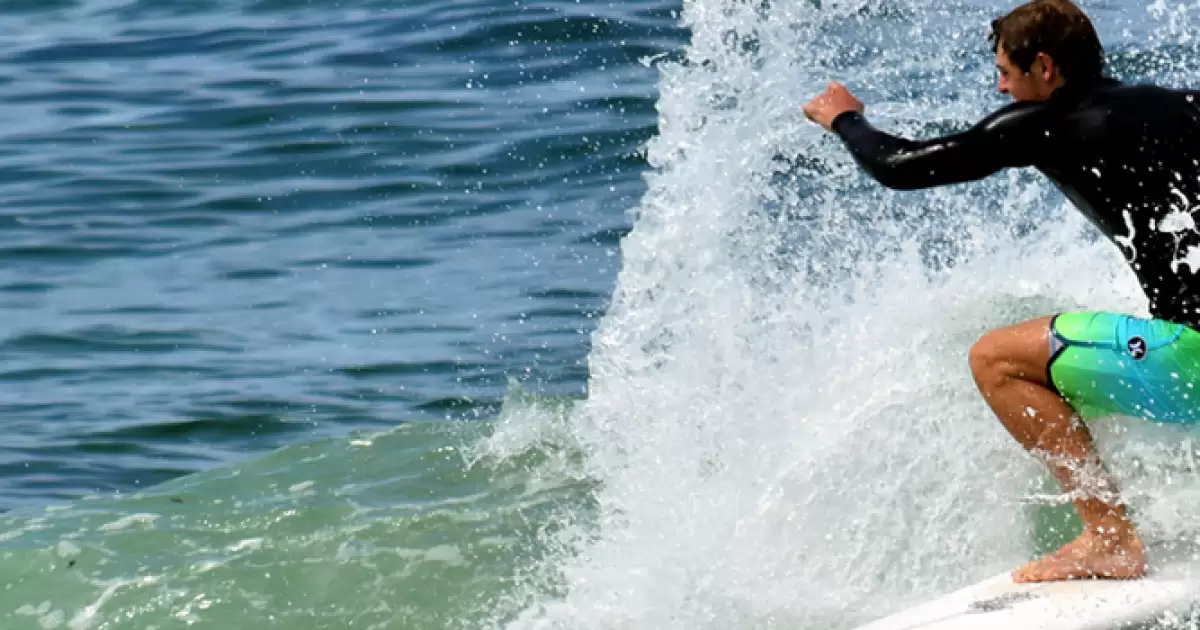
(1035, 85)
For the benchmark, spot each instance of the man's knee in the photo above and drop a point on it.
(986, 356)
(1017, 352)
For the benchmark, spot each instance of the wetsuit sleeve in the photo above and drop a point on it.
(1007, 138)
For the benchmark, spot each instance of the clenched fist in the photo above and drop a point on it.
(831, 103)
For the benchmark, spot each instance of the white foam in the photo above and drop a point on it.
(125, 522)
(802, 445)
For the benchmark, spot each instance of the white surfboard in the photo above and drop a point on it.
(1172, 585)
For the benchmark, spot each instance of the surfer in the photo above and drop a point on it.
(1127, 157)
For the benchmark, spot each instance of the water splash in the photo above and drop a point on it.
(780, 417)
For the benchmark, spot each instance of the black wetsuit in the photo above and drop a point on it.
(1127, 156)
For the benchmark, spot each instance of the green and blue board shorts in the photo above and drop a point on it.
(1106, 364)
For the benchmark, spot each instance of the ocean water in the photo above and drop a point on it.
(533, 315)
(229, 227)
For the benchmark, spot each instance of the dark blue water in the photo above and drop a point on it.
(226, 227)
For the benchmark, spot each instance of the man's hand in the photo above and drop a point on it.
(834, 101)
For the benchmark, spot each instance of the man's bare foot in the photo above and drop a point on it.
(1092, 555)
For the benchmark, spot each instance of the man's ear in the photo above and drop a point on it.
(1047, 70)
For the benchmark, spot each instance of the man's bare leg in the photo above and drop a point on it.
(1009, 366)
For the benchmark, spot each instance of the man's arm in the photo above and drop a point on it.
(1008, 138)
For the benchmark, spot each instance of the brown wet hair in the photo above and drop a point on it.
(1055, 27)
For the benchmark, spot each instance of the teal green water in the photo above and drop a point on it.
(418, 526)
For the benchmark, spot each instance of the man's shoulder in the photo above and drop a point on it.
(1146, 90)
(1014, 115)
(1129, 110)
(1141, 102)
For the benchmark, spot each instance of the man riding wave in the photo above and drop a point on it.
(1128, 157)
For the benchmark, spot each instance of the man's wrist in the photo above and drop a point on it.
(842, 118)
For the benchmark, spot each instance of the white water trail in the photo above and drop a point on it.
(794, 440)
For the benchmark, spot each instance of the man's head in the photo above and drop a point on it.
(1043, 44)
